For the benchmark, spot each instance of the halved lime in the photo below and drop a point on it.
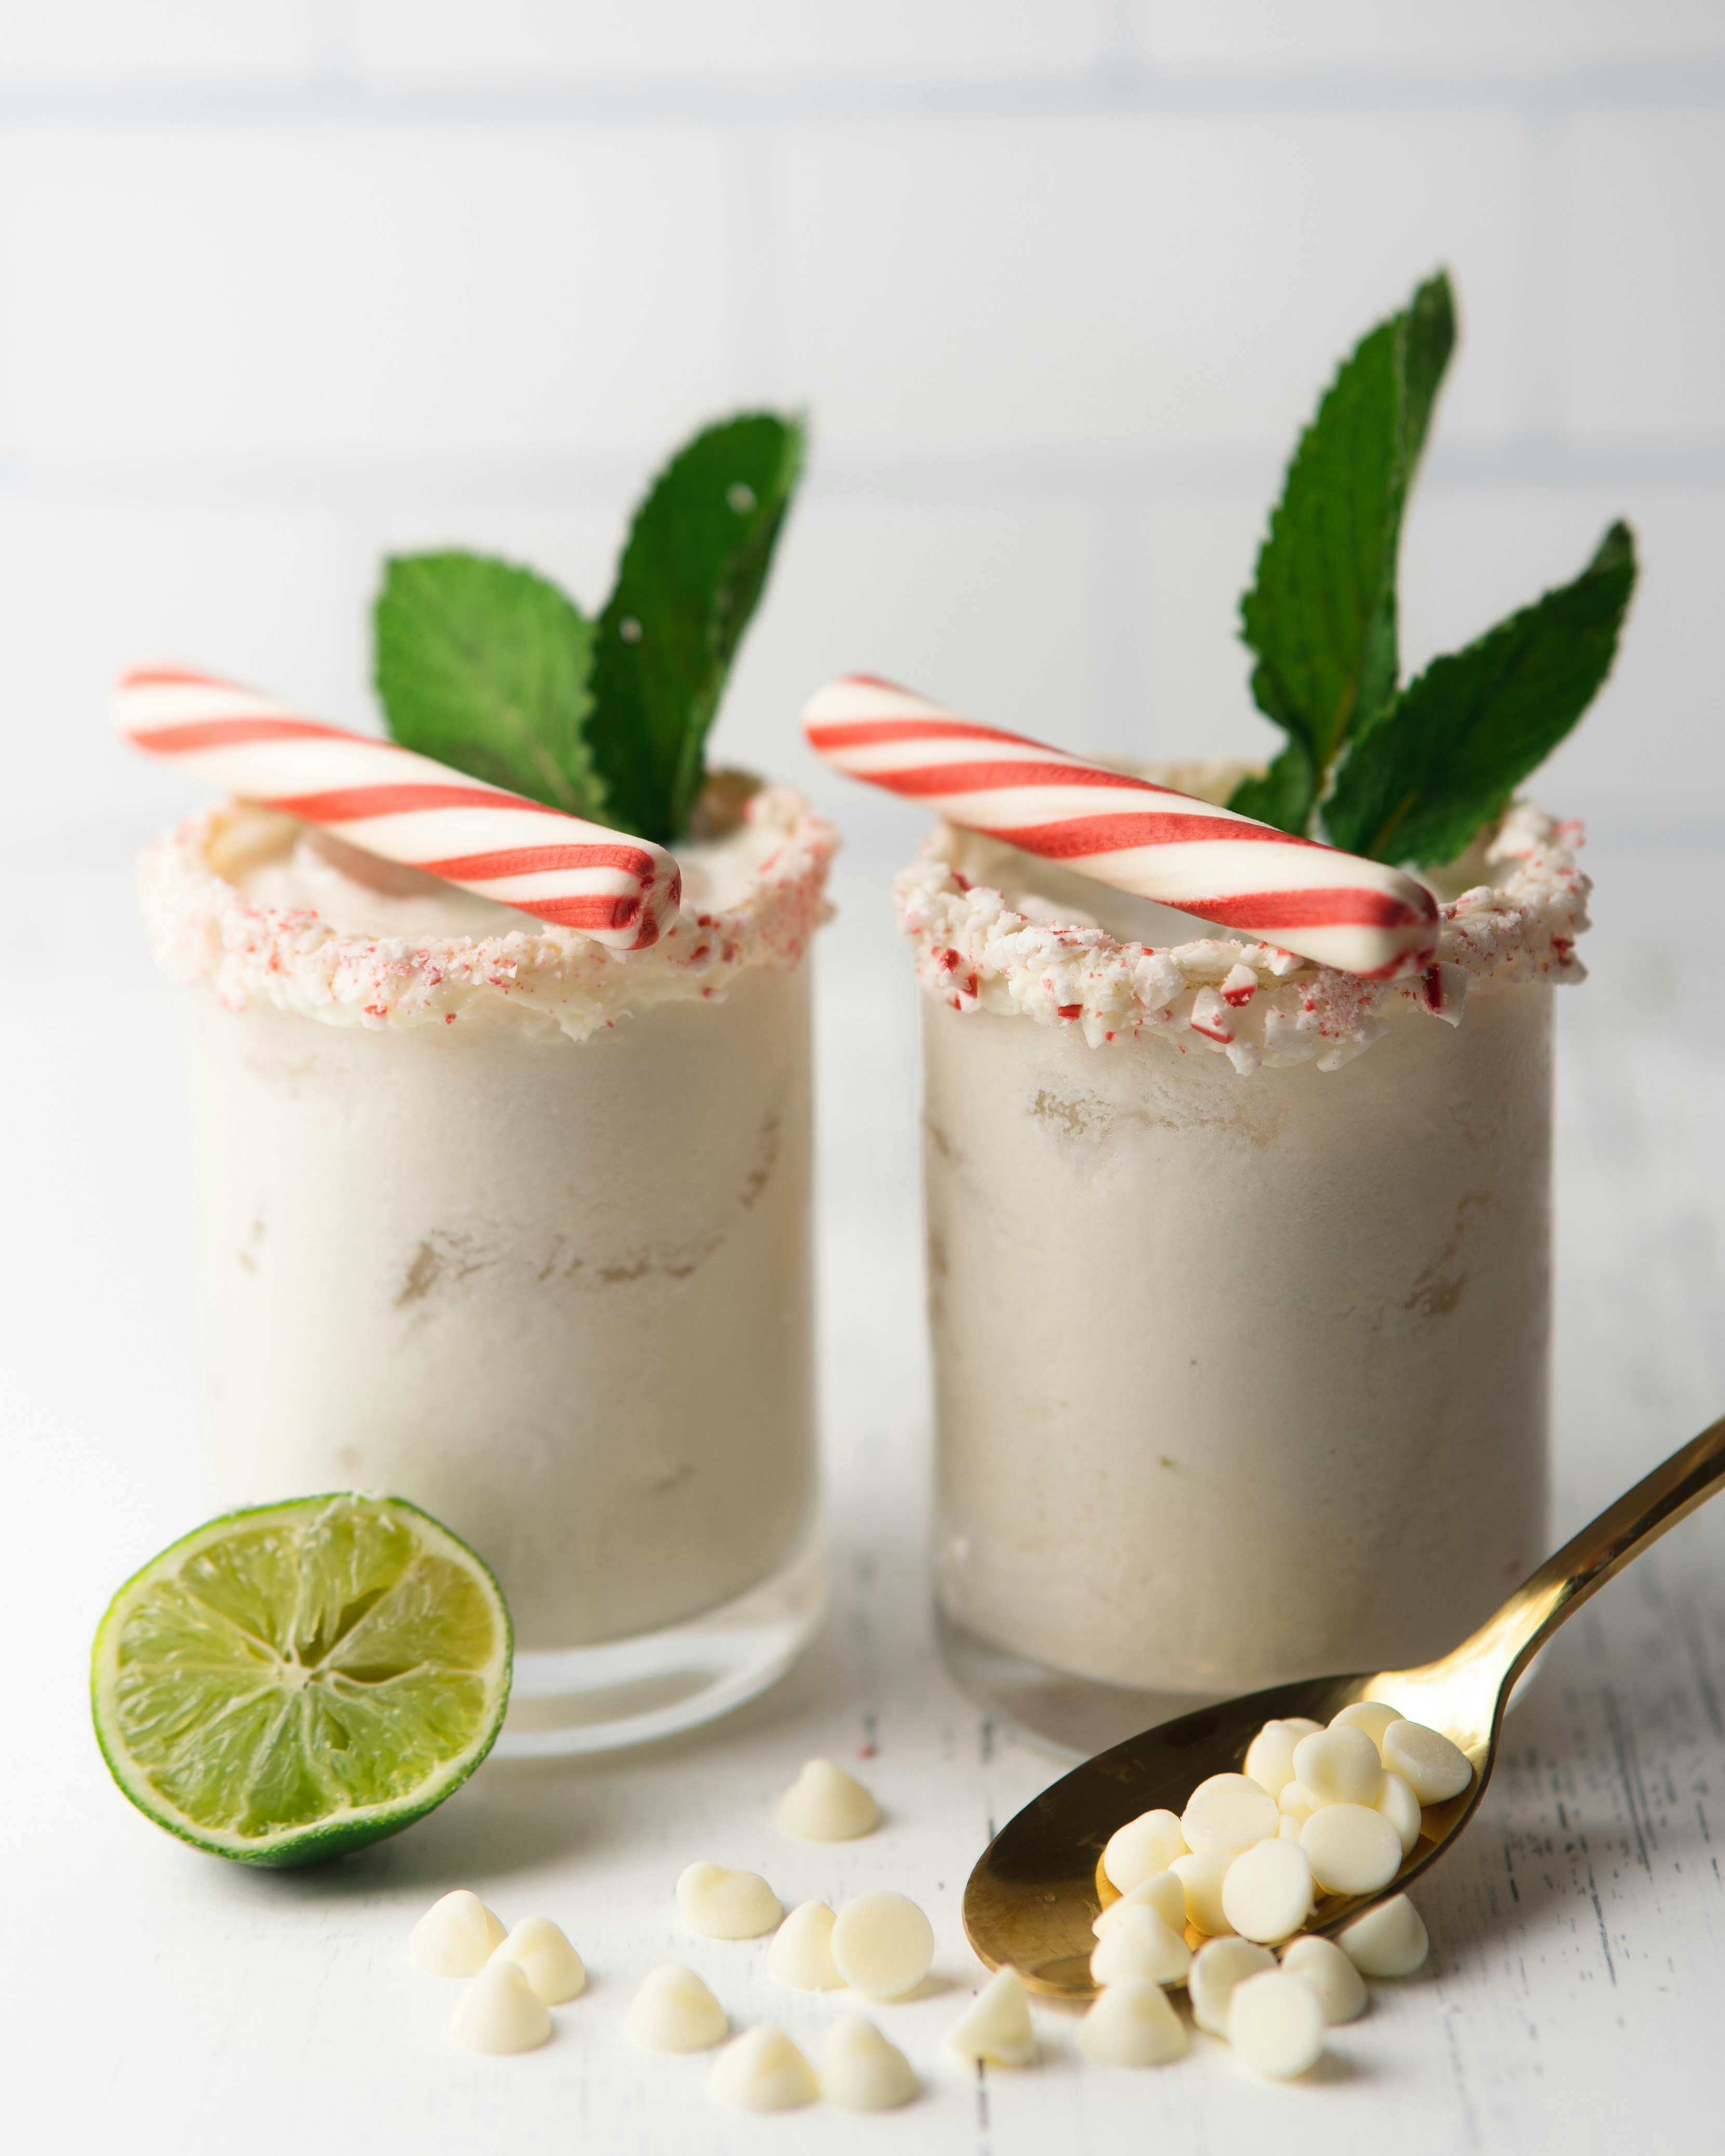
(290, 1683)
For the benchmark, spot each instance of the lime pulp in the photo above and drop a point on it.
(290, 1683)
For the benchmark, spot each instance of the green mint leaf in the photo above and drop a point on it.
(1285, 796)
(1321, 616)
(486, 666)
(697, 557)
(1460, 739)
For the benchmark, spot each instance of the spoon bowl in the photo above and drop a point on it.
(1038, 1887)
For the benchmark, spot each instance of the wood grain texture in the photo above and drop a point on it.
(1579, 1932)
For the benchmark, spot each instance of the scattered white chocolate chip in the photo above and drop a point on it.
(824, 1804)
(1225, 1822)
(717, 1904)
(1339, 1767)
(1435, 1768)
(1132, 2023)
(552, 1966)
(1276, 2024)
(883, 1944)
(499, 2011)
(1270, 1760)
(1142, 1848)
(764, 2071)
(674, 2011)
(455, 1936)
(801, 1954)
(1352, 1850)
(1371, 1715)
(996, 2025)
(1295, 1803)
(1201, 1876)
(1266, 1892)
(1216, 1968)
(1163, 1893)
(1320, 1962)
(1140, 1944)
(1401, 1808)
(861, 2069)
(1390, 1940)
(1289, 1831)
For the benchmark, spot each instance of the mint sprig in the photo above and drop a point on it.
(486, 666)
(1401, 774)
(491, 668)
(1465, 735)
(1322, 614)
(697, 557)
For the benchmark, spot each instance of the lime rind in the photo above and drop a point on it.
(291, 1681)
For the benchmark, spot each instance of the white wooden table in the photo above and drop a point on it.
(157, 1999)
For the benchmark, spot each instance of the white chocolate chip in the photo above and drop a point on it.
(1371, 1715)
(1140, 1944)
(1289, 1831)
(1320, 1962)
(1266, 1893)
(1270, 1762)
(1295, 1804)
(1401, 1808)
(1276, 2024)
(1229, 1785)
(1390, 1940)
(717, 1904)
(1132, 2023)
(763, 2070)
(862, 2071)
(1202, 1877)
(552, 1966)
(824, 1804)
(1216, 1968)
(1352, 1850)
(1339, 1767)
(1226, 1821)
(883, 1944)
(1163, 1893)
(499, 2011)
(801, 1954)
(455, 1936)
(1435, 1769)
(1142, 1848)
(674, 2011)
(996, 2025)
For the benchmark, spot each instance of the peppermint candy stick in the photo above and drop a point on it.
(1360, 916)
(404, 807)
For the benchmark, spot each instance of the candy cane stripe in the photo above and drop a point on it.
(1361, 917)
(405, 807)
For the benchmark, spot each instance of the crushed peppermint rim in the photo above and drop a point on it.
(548, 979)
(1250, 1002)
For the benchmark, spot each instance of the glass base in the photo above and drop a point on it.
(630, 1691)
(1068, 1713)
(1079, 1715)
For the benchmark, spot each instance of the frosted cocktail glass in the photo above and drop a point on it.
(519, 1228)
(1241, 1345)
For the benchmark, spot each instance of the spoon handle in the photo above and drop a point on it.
(1487, 1664)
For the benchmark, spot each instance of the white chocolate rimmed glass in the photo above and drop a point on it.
(519, 1229)
(1241, 1361)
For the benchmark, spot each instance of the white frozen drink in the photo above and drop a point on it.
(505, 1222)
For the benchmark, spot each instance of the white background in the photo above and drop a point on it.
(285, 285)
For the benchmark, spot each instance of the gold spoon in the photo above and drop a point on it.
(1039, 1885)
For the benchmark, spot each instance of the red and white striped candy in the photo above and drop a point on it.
(387, 801)
(1360, 916)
